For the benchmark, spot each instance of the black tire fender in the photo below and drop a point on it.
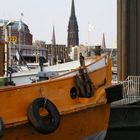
(1, 127)
(38, 122)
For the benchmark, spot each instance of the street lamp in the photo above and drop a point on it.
(6, 26)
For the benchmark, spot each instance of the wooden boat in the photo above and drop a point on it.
(73, 106)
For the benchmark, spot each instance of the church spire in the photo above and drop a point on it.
(73, 38)
(53, 37)
(103, 42)
(72, 10)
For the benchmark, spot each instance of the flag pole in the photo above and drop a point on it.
(19, 38)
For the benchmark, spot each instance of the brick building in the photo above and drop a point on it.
(18, 29)
(27, 52)
(57, 53)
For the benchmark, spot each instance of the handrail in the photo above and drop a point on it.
(98, 59)
(131, 90)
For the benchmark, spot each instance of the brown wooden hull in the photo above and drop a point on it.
(74, 126)
(80, 117)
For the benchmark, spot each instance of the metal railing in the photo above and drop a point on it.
(131, 91)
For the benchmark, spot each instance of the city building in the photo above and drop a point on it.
(28, 53)
(22, 49)
(73, 37)
(15, 28)
(19, 39)
(57, 53)
(76, 50)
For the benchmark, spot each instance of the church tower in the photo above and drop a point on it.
(73, 38)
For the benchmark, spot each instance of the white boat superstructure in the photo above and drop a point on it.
(27, 76)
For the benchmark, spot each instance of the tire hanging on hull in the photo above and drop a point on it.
(38, 122)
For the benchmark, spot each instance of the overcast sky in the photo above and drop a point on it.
(41, 15)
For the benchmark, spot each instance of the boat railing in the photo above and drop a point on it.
(131, 91)
(89, 66)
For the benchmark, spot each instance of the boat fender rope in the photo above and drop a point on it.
(45, 101)
(1, 127)
(84, 84)
(48, 123)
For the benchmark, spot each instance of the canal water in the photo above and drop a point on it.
(123, 134)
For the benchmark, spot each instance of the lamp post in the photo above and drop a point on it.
(7, 47)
